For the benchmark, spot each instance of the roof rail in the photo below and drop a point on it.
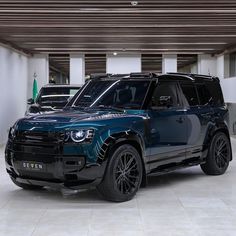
(187, 76)
(140, 74)
(194, 75)
(99, 75)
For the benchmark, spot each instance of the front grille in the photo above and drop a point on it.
(45, 148)
(38, 142)
(44, 137)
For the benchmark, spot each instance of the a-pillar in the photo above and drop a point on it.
(169, 63)
(207, 65)
(38, 68)
(123, 64)
(77, 69)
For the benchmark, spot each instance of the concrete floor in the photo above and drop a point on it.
(185, 202)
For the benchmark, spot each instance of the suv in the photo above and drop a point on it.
(52, 98)
(119, 129)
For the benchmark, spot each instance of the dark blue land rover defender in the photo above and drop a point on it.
(119, 129)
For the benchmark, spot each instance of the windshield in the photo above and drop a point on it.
(127, 94)
(56, 96)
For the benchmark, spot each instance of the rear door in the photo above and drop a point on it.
(197, 101)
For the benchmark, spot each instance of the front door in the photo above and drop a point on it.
(168, 127)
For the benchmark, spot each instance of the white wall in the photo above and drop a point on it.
(13, 90)
(169, 63)
(229, 89)
(207, 65)
(123, 64)
(39, 66)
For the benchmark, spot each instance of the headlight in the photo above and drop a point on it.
(79, 135)
(12, 132)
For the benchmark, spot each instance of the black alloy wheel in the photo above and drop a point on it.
(123, 175)
(221, 152)
(127, 173)
(219, 155)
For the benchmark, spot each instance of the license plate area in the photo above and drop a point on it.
(33, 166)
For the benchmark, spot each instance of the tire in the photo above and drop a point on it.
(219, 155)
(26, 186)
(123, 175)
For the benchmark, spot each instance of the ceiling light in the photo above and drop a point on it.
(134, 3)
(115, 53)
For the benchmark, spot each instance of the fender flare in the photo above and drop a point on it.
(211, 131)
(121, 137)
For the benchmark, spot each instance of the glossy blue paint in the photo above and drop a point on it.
(105, 124)
(164, 136)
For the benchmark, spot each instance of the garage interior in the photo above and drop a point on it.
(68, 41)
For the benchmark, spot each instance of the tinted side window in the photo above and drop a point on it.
(204, 94)
(190, 94)
(165, 90)
(216, 93)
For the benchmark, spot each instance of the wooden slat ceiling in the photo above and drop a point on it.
(102, 26)
(95, 63)
(153, 62)
(59, 63)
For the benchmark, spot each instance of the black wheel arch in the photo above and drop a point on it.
(126, 137)
(212, 130)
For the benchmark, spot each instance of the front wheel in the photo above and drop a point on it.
(219, 155)
(123, 175)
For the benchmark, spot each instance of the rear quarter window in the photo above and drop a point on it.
(204, 94)
(190, 93)
(216, 93)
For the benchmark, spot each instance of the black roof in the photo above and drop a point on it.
(190, 76)
(124, 76)
(156, 77)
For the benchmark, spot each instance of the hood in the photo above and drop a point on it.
(67, 119)
(72, 116)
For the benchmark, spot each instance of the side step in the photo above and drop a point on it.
(174, 166)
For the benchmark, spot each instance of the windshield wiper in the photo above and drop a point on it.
(107, 107)
(75, 108)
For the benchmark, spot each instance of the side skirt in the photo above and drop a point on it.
(175, 166)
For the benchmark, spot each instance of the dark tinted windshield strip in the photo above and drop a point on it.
(104, 92)
(73, 104)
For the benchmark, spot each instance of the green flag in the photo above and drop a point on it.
(35, 89)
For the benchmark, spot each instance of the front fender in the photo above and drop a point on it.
(118, 137)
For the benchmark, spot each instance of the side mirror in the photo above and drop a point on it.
(35, 108)
(165, 101)
(30, 101)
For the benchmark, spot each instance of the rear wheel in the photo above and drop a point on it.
(219, 155)
(26, 186)
(123, 175)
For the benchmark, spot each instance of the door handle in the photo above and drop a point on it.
(180, 120)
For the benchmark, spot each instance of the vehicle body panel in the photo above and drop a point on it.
(165, 139)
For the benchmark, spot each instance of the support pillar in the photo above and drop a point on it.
(207, 65)
(169, 63)
(77, 69)
(222, 66)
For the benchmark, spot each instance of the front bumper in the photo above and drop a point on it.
(60, 170)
